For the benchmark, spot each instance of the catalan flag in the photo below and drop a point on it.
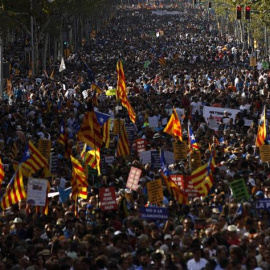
(15, 191)
(173, 127)
(162, 61)
(2, 173)
(121, 91)
(261, 134)
(193, 146)
(32, 159)
(123, 143)
(202, 178)
(91, 157)
(90, 131)
(179, 195)
(79, 182)
(106, 133)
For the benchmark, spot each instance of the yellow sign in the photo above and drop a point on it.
(265, 153)
(155, 191)
(252, 61)
(180, 150)
(117, 124)
(195, 160)
(44, 147)
(111, 92)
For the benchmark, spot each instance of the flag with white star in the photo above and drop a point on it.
(102, 118)
(192, 140)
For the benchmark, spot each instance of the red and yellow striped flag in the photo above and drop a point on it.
(121, 91)
(90, 131)
(36, 160)
(202, 178)
(173, 127)
(79, 182)
(261, 134)
(15, 191)
(2, 173)
(123, 143)
(14, 150)
(91, 158)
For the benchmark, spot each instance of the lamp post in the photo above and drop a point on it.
(32, 39)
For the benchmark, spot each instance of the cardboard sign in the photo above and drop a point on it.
(239, 190)
(133, 178)
(154, 213)
(117, 124)
(44, 147)
(37, 191)
(252, 61)
(154, 191)
(265, 153)
(107, 199)
(195, 160)
(180, 150)
(263, 204)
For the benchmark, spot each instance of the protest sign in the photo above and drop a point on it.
(180, 150)
(263, 204)
(117, 124)
(239, 190)
(217, 113)
(265, 153)
(53, 161)
(145, 157)
(154, 191)
(107, 199)
(44, 147)
(37, 191)
(140, 145)
(153, 121)
(133, 178)
(154, 213)
(130, 129)
(155, 159)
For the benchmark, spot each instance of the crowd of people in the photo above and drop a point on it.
(173, 57)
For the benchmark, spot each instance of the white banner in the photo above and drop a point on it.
(217, 113)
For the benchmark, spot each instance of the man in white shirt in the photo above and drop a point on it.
(197, 263)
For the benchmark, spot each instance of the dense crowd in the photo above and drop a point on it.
(173, 57)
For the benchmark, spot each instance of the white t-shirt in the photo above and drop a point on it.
(193, 265)
(196, 106)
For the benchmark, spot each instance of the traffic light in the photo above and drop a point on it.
(65, 44)
(238, 12)
(209, 5)
(248, 9)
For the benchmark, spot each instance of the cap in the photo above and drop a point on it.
(232, 228)
(167, 236)
(259, 193)
(156, 136)
(17, 220)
